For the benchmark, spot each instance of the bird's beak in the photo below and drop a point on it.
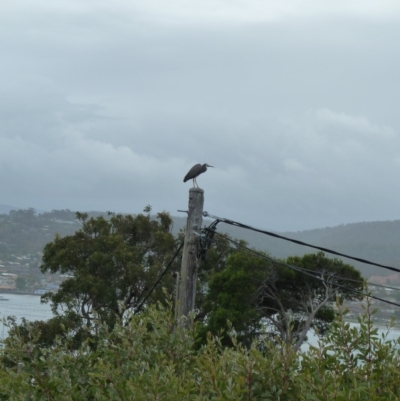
(210, 166)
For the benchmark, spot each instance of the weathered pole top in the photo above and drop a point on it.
(196, 189)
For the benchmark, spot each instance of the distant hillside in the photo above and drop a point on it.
(25, 231)
(375, 241)
(4, 209)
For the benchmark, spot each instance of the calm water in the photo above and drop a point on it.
(393, 334)
(27, 306)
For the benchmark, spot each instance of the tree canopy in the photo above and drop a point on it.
(258, 295)
(111, 263)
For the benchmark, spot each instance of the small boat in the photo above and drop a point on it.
(3, 299)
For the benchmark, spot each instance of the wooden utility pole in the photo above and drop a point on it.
(190, 262)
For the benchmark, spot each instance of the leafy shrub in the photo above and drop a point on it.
(152, 358)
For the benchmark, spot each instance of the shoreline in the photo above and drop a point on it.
(18, 293)
(380, 325)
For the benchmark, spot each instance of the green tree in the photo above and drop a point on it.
(215, 262)
(232, 296)
(31, 281)
(112, 262)
(151, 359)
(293, 301)
(254, 293)
(20, 283)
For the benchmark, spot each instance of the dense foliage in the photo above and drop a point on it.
(112, 264)
(253, 292)
(153, 359)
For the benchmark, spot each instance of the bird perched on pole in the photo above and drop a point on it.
(195, 171)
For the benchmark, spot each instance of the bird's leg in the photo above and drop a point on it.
(197, 185)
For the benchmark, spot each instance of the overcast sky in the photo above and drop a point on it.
(105, 105)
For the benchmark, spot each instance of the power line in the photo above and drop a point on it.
(358, 281)
(301, 270)
(159, 279)
(370, 284)
(247, 227)
(383, 286)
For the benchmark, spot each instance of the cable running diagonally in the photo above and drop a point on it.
(357, 281)
(247, 227)
(140, 306)
(300, 270)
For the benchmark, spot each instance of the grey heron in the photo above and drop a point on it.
(195, 171)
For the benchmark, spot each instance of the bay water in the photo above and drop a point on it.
(312, 338)
(27, 306)
(30, 308)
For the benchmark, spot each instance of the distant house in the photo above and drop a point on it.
(10, 275)
(7, 285)
(47, 288)
(7, 281)
(384, 280)
(52, 287)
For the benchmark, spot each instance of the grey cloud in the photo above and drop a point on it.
(108, 107)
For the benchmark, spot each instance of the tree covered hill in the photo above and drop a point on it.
(26, 231)
(375, 241)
